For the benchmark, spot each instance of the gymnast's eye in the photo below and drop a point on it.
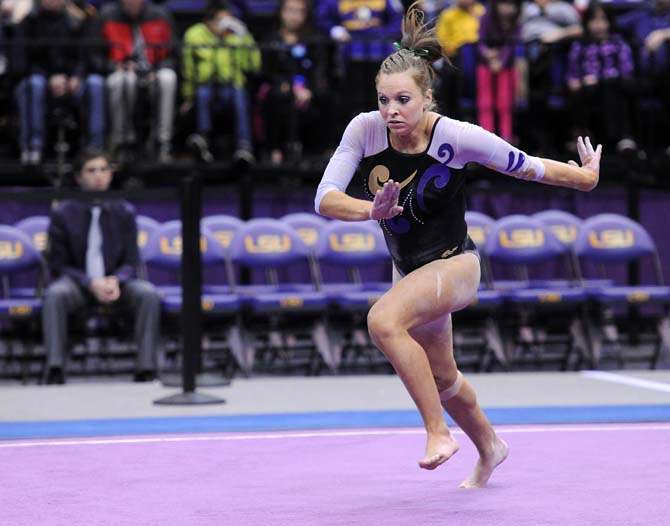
(383, 100)
(404, 99)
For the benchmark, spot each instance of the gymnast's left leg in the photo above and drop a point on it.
(459, 400)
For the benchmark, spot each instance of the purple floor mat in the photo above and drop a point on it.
(555, 475)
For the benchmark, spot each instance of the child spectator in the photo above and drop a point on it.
(497, 81)
(219, 55)
(294, 63)
(600, 69)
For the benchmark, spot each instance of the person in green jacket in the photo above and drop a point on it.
(219, 54)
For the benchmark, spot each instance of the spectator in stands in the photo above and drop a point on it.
(46, 59)
(364, 31)
(649, 28)
(295, 79)
(431, 8)
(93, 256)
(547, 28)
(549, 21)
(219, 56)
(5, 12)
(497, 75)
(140, 54)
(457, 27)
(600, 70)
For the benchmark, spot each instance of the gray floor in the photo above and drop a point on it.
(99, 400)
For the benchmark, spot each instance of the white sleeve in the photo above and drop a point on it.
(477, 145)
(344, 162)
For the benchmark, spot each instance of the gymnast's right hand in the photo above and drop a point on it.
(385, 205)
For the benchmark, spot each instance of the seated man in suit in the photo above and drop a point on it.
(93, 256)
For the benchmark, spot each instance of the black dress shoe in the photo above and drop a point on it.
(144, 376)
(54, 376)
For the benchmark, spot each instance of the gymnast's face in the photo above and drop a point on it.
(401, 101)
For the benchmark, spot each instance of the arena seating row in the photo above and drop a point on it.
(293, 293)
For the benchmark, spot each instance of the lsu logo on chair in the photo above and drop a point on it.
(11, 249)
(20, 310)
(352, 242)
(142, 238)
(267, 243)
(477, 234)
(565, 233)
(172, 246)
(522, 238)
(611, 238)
(40, 240)
(308, 235)
(224, 237)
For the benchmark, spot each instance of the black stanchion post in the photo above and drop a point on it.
(191, 282)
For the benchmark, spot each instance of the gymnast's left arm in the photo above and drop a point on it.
(478, 145)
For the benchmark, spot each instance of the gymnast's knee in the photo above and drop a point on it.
(381, 326)
(449, 389)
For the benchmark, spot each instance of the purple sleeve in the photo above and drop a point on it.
(483, 35)
(506, 55)
(626, 64)
(573, 61)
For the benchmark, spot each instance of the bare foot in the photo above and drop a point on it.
(440, 448)
(486, 464)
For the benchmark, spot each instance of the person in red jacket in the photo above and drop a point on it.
(140, 50)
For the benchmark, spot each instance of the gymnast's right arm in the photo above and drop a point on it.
(331, 199)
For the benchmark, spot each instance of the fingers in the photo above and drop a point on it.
(573, 163)
(581, 149)
(385, 204)
(589, 146)
(388, 194)
(599, 150)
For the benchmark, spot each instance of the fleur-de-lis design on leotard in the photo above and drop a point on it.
(380, 174)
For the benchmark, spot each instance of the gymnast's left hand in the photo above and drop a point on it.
(589, 157)
(385, 205)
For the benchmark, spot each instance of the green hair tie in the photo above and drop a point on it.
(422, 53)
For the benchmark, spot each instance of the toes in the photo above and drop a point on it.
(432, 462)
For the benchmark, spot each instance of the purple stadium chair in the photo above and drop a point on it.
(485, 341)
(146, 226)
(543, 310)
(19, 313)
(307, 225)
(37, 228)
(286, 315)
(218, 301)
(479, 227)
(223, 227)
(612, 241)
(566, 226)
(352, 246)
(346, 252)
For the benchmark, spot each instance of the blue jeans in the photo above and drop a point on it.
(31, 95)
(94, 93)
(225, 95)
